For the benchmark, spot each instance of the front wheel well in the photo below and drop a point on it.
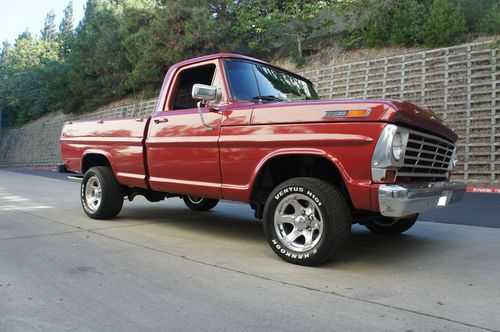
(93, 160)
(282, 168)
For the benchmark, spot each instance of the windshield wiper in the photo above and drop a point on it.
(267, 98)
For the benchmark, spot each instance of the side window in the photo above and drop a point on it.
(241, 79)
(188, 78)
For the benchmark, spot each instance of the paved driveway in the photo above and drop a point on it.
(160, 266)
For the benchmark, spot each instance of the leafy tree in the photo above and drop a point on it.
(376, 27)
(445, 24)
(98, 60)
(24, 35)
(66, 29)
(6, 47)
(409, 18)
(265, 25)
(475, 11)
(175, 32)
(490, 23)
(19, 73)
(48, 33)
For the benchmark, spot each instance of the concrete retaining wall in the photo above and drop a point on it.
(37, 144)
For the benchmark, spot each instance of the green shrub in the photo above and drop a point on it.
(408, 20)
(376, 27)
(351, 40)
(491, 22)
(445, 24)
(475, 11)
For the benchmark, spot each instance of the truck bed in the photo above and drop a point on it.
(120, 140)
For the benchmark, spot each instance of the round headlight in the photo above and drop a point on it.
(397, 146)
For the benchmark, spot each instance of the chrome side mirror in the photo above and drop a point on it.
(204, 92)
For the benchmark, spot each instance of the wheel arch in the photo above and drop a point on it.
(92, 158)
(299, 163)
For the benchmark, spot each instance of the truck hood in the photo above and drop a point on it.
(390, 111)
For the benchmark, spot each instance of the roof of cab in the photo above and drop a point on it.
(228, 56)
(218, 56)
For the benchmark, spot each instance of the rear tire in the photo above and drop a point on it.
(101, 195)
(391, 226)
(200, 203)
(306, 221)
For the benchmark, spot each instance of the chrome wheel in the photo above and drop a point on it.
(195, 200)
(93, 193)
(298, 222)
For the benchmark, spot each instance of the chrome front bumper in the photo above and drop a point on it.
(398, 200)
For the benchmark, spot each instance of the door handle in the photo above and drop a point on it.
(161, 119)
(139, 120)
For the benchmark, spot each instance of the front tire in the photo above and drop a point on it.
(200, 203)
(101, 195)
(306, 221)
(391, 226)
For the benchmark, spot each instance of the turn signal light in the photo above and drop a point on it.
(390, 176)
(358, 113)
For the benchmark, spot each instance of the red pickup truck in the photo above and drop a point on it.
(236, 128)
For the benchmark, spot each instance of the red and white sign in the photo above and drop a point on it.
(486, 190)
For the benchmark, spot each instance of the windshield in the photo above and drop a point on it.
(257, 82)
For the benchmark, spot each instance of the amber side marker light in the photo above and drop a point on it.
(358, 113)
(390, 176)
(348, 113)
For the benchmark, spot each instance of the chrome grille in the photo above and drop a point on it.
(426, 156)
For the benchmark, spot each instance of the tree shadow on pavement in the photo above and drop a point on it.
(220, 223)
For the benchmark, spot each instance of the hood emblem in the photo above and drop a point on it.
(417, 112)
(335, 114)
(354, 113)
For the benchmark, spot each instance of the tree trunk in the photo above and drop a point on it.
(299, 46)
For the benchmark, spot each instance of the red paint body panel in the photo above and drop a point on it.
(121, 141)
(173, 152)
(314, 111)
(245, 150)
(406, 113)
(183, 156)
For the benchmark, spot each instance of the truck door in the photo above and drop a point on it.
(183, 154)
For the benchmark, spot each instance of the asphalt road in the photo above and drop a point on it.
(160, 266)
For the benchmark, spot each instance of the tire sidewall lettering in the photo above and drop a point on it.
(288, 190)
(293, 254)
(297, 189)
